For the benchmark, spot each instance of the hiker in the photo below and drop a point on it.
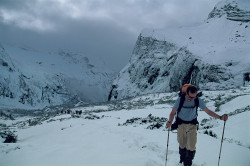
(187, 122)
(68, 111)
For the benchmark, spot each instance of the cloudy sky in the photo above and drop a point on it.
(103, 28)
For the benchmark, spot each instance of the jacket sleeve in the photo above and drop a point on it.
(202, 105)
(177, 103)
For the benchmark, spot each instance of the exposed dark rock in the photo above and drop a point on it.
(232, 12)
(153, 121)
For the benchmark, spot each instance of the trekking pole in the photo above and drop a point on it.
(221, 142)
(167, 148)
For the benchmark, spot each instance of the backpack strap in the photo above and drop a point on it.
(181, 103)
(196, 100)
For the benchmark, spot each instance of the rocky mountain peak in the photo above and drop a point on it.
(231, 10)
(213, 55)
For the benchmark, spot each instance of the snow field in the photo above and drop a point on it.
(63, 140)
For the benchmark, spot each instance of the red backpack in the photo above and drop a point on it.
(183, 90)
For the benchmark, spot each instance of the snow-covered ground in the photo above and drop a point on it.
(119, 134)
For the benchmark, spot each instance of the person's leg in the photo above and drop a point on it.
(183, 154)
(189, 158)
(182, 140)
(191, 134)
(182, 136)
(191, 144)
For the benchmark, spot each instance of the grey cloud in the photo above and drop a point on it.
(132, 14)
(104, 28)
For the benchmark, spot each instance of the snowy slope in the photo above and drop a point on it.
(212, 55)
(41, 79)
(123, 133)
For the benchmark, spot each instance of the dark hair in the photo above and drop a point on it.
(192, 89)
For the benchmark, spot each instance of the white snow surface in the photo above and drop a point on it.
(64, 140)
(216, 41)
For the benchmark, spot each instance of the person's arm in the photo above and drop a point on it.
(213, 114)
(171, 118)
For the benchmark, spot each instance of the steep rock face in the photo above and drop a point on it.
(27, 89)
(6, 66)
(159, 66)
(214, 55)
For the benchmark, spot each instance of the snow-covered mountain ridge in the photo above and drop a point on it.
(232, 10)
(32, 79)
(212, 55)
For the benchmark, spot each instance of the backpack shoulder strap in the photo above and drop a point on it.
(181, 103)
(196, 104)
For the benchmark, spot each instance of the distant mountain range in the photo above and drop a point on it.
(32, 79)
(212, 55)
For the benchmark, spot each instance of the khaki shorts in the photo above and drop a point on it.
(187, 136)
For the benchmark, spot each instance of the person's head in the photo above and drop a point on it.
(191, 93)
